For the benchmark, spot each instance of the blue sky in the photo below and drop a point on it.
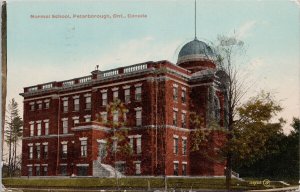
(44, 50)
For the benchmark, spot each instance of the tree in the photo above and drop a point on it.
(116, 119)
(227, 49)
(255, 130)
(13, 134)
(281, 164)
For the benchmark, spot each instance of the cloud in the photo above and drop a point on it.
(244, 30)
(136, 51)
(257, 63)
(297, 2)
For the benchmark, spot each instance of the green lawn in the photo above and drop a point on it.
(178, 183)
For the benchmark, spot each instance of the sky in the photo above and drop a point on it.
(42, 50)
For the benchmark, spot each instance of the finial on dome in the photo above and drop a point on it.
(195, 20)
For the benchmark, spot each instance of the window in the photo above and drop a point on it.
(115, 145)
(139, 145)
(131, 143)
(127, 95)
(37, 171)
(40, 105)
(175, 145)
(31, 109)
(137, 168)
(47, 104)
(115, 95)
(46, 128)
(87, 118)
(175, 168)
(116, 117)
(184, 146)
(45, 152)
(82, 170)
(125, 116)
(83, 148)
(64, 149)
(75, 121)
(138, 115)
(31, 130)
(183, 96)
(138, 93)
(38, 151)
(183, 120)
(39, 128)
(76, 104)
(104, 99)
(45, 170)
(65, 126)
(175, 93)
(65, 106)
(88, 103)
(175, 118)
(30, 152)
(104, 117)
(120, 166)
(102, 150)
(63, 169)
(184, 168)
(29, 171)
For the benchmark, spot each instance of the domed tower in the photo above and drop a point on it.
(196, 56)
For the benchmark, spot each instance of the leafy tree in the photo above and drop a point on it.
(254, 131)
(13, 134)
(283, 163)
(118, 141)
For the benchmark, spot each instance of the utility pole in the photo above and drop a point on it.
(3, 69)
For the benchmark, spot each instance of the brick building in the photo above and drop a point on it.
(63, 135)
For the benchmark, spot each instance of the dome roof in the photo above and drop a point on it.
(195, 50)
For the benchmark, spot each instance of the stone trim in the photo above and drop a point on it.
(138, 108)
(101, 141)
(82, 165)
(115, 89)
(138, 85)
(126, 87)
(64, 142)
(83, 138)
(135, 162)
(87, 127)
(65, 98)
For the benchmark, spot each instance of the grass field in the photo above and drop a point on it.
(131, 183)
